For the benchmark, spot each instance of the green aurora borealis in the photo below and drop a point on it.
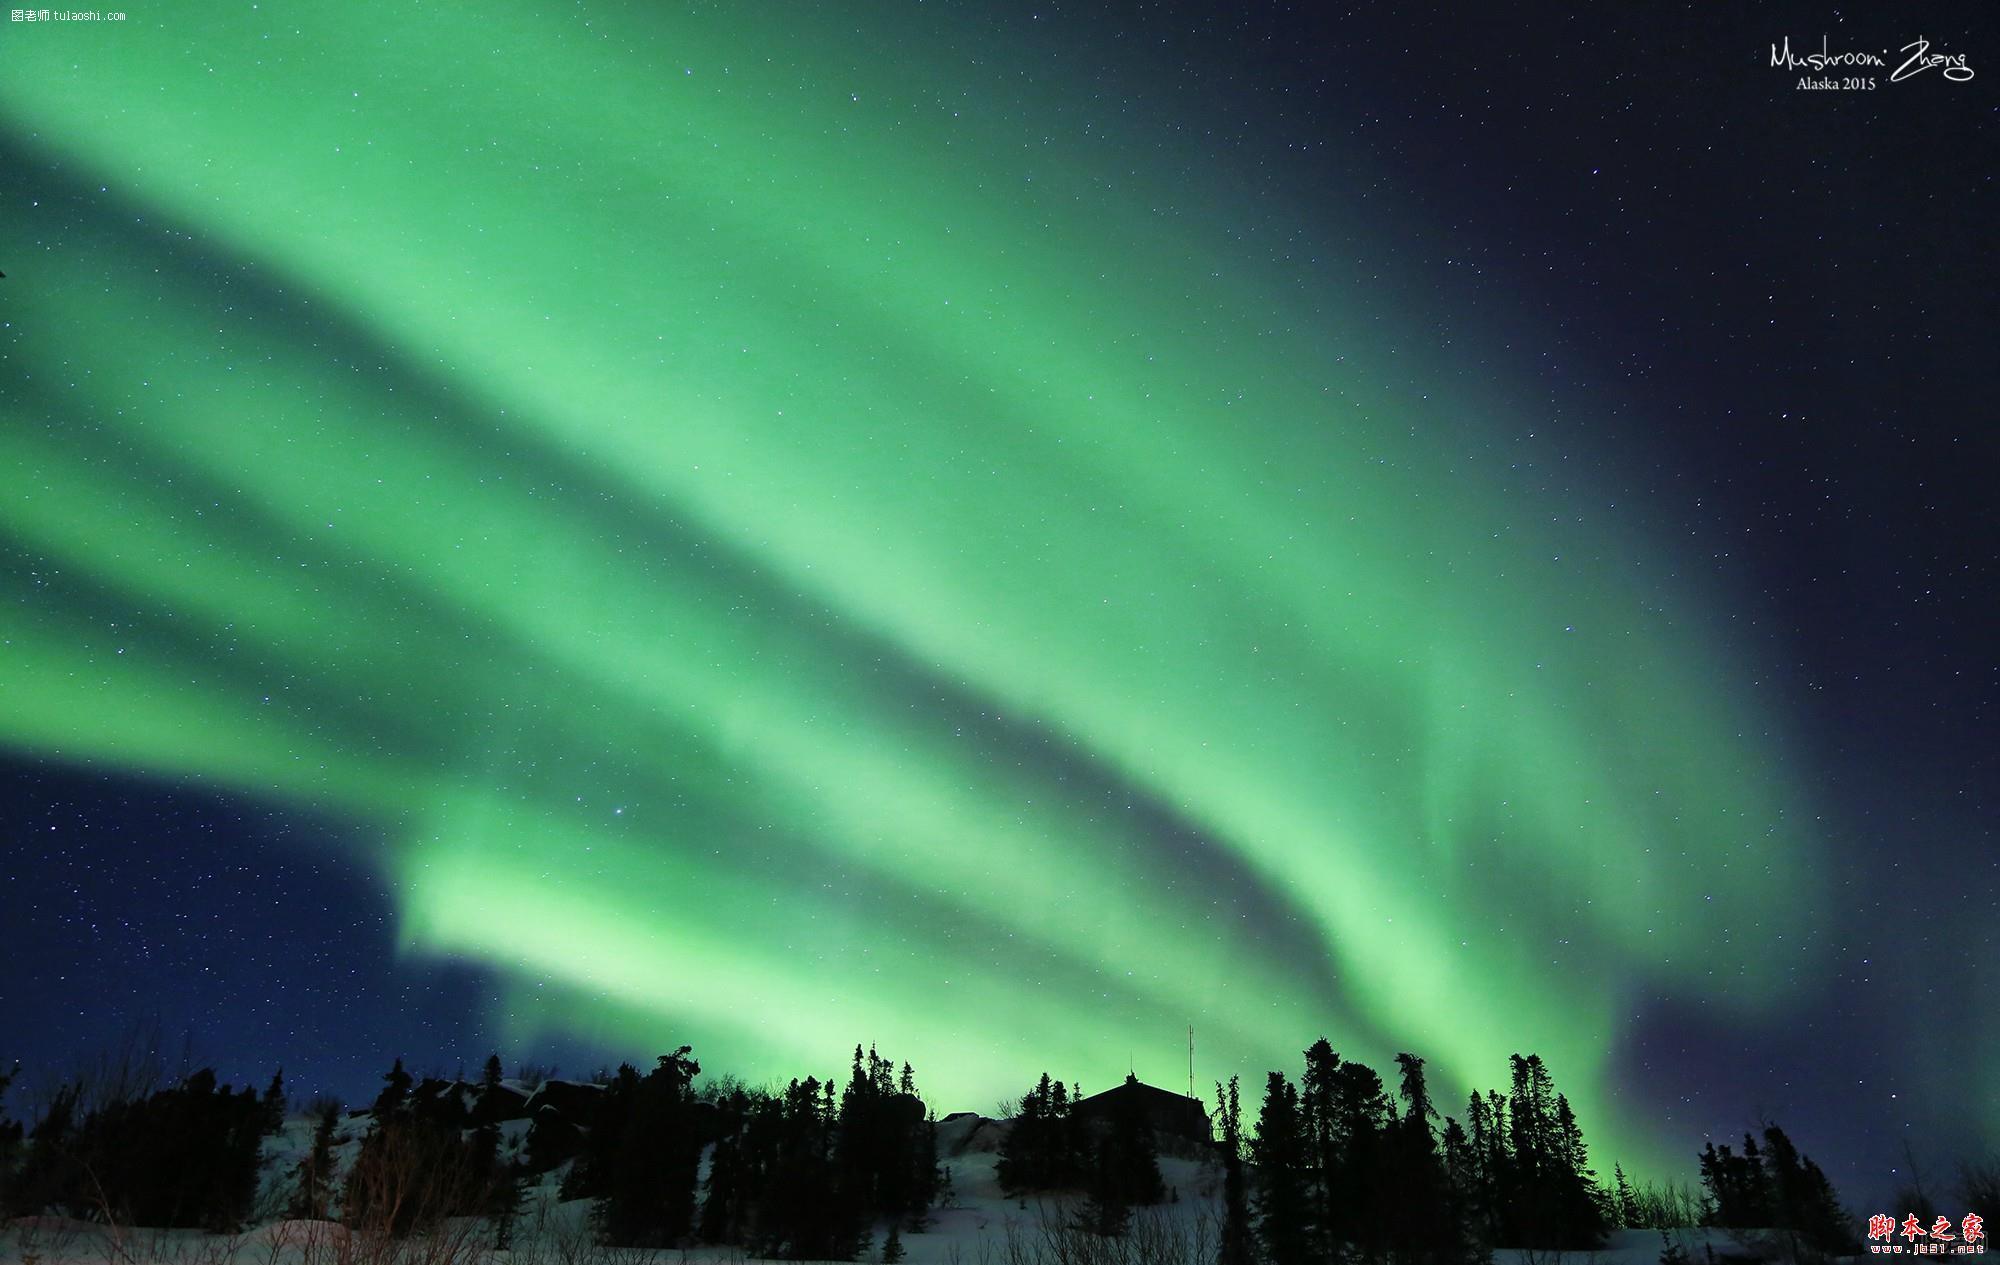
(789, 541)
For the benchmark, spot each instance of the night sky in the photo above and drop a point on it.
(1004, 531)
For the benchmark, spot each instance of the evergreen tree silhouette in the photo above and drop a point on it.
(1624, 1201)
(1775, 1187)
(722, 1207)
(1321, 1148)
(1363, 1120)
(10, 1142)
(313, 1196)
(1238, 1247)
(274, 1103)
(185, 1156)
(642, 1155)
(1278, 1151)
(1126, 1173)
(1462, 1188)
(1425, 1227)
(1043, 1150)
(395, 1091)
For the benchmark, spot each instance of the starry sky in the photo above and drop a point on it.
(1004, 531)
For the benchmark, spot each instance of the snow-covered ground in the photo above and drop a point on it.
(979, 1225)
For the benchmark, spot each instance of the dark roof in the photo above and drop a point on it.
(1137, 1090)
(1167, 1111)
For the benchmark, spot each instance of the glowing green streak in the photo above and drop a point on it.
(889, 817)
(894, 426)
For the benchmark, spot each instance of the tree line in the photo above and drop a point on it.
(1336, 1165)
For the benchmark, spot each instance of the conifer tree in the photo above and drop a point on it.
(1478, 1172)
(313, 1195)
(642, 1156)
(1042, 1151)
(1624, 1202)
(1238, 1247)
(48, 1169)
(395, 1091)
(274, 1103)
(1278, 1151)
(1365, 1126)
(1775, 1187)
(1425, 1228)
(1461, 1186)
(10, 1142)
(884, 1150)
(1321, 1146)
(722, 1206)
(1126, 1173)
(926, 1177)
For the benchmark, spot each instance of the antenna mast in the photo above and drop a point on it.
(1190, 1060)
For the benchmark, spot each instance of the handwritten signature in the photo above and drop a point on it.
(1953, 64)
(1920, 59)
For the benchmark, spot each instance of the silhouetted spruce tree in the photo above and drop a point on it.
(722, 1203)
(312, 1196)
(927, 1177)
(859, 1133)
(1363, 1122)
(1461, 1175)
(1624, 1202)
(1551, 1199)
(1126, 1171)
(1531, 1126)
(1321, 1148)
(1238, 1246)
(274, 1103)
(1500, 1166)
(1425, 1227)
(1775, 1187)
(775, 1187)
(1739, 1196)
(763, 1142)
(1042, 1151)
(415, 1166)
(1477, 1173)
(490, 1075)
(49, 1164)
(395, 1091)
(804, 1211)
(1278, 1154)
(643, 1153)
(1066, 1148)
(1586, 1209)
(1809, 1212)
(180, 1157)
(495, 1193)
(881, 1141)
(10, 1142)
